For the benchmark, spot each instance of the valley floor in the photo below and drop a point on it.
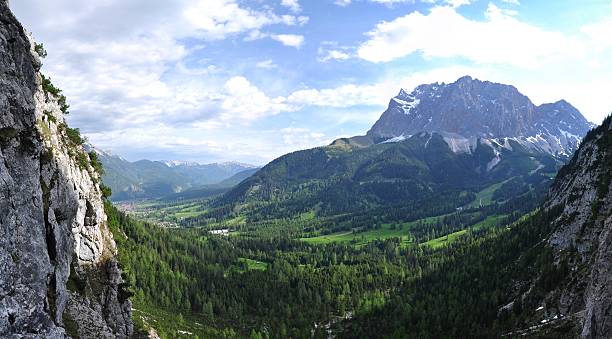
(280, 277)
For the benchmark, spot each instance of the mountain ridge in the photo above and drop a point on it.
(472, 109)
(146, 179)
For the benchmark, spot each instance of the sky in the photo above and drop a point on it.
(250, 80)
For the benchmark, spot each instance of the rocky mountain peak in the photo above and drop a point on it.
(473, 109)
(402, 94)
(465, 80)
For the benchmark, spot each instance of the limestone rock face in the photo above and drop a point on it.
(58, 273)
(584, 236)
(474, 109)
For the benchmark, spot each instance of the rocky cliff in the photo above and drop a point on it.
(584, 237)
(58, 273)
(581, 244)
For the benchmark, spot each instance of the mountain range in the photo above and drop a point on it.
(146, 179)
(454, 138)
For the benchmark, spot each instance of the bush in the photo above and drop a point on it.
(50, 116)
(63, 105)
(48, 87)
(74, 135)
(40, 50)
(95, 162)
(106, 191)
(82, 160)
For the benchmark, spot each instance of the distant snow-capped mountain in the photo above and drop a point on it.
(470, 109)
(229, 165)
(176, 163)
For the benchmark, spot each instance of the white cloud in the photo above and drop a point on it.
(244, 102)
(599, 35)
(333, 55)
(217, 19)
(331, 50)
(342, 3)
(546, 65)
(132, 67)
(458, 3)
(390, 2)
(452, 3)
(185, 142)
(266, 64)
(512, 2)
(343, 96)
(291, 40)
(303, 138)
(291, 20)
(379, 93)
(293, 5)
(500, 39)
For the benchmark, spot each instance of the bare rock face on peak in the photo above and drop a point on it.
(58, 273)
(473, 109)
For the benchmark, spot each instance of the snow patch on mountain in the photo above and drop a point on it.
(496, 160)
(407, 102)
(396, 139)
(460, 144)
(176, 163)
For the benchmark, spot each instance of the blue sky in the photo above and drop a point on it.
(250, 80)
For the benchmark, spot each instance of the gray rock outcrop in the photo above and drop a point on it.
(58, 273)
(583, 237)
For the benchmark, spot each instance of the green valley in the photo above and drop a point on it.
(466, 210)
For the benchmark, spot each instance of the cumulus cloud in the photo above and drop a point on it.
(133, 67)
(333, 54)
(547, 64)
(216, 19)
(500, 39)
(291, 40)
(293, 5)
(245, 102)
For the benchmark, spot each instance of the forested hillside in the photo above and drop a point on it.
(346, 179)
